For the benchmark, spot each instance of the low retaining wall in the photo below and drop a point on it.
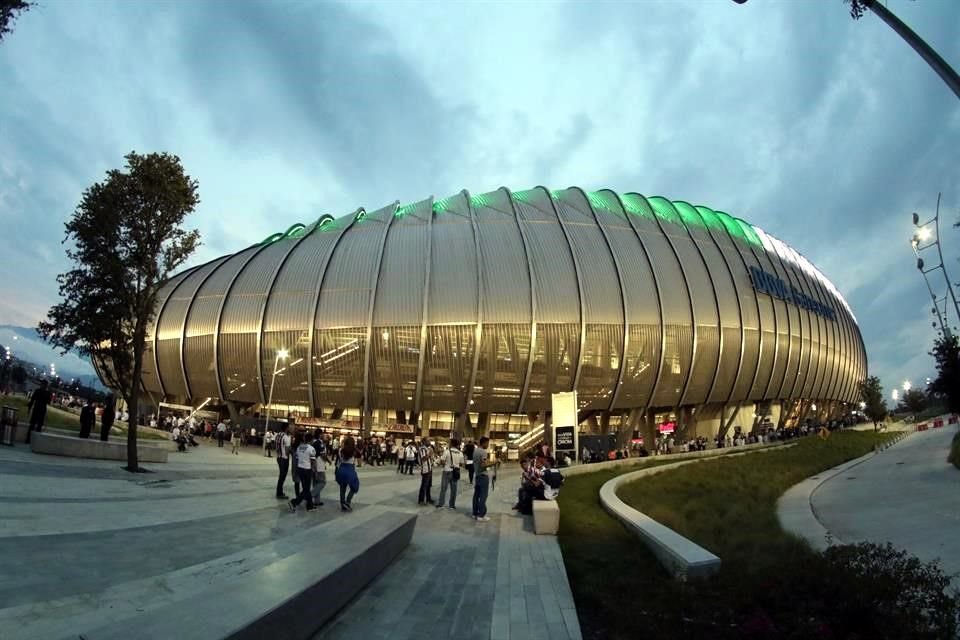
(581, 469)
(94, 448)
(290, 599)
(681, 557)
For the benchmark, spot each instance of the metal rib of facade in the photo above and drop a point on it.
(491, 303)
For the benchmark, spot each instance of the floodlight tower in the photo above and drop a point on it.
(927, 236)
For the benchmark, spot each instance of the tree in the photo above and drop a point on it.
(946, 353)
(913, 401)
(871, 394)
(128, 236)
(9, 12)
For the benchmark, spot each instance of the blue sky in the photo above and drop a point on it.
(826, 132)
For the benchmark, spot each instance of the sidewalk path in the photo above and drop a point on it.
(908, 495)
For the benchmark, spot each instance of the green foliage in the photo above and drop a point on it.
(946, 353)
(771, 585)
(9, 12)
(954, 457)
(857, 7)
(871, 393)
(126, 238)
(913, 402)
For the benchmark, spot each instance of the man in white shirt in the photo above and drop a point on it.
(176, 436)
(283, 461)
(410, 456)
(452, 460)
(306, 457)
(221, 433)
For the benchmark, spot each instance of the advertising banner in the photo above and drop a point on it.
(564, 439)
(566, 435)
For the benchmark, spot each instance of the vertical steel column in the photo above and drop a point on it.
(218, 322)
(375, 280)
(693, 312)
(156, 326)
(775, 259)
(716, 300)
(478, 330)
(312, 327)
(625, 344)
(261, 386)
(656, 286)
(776, 326)
(183, 329)
(743, 333)
(576, 269)
(830, 383)
(736, 290)
(533, 303)
(418, 395)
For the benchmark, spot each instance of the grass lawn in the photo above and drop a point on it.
(727, 505)
(65, 422)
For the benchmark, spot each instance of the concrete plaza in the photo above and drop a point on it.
(85, 543)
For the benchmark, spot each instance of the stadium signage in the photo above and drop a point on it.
(772, 285)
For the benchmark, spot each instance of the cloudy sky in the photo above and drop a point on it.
(826, 132)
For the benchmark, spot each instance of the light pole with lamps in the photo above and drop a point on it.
(923, 239)
(282, 354)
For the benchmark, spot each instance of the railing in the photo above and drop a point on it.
(529, 440)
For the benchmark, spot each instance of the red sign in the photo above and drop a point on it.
(667, 427)
(937, 424)
(922, 426)
(952, 420)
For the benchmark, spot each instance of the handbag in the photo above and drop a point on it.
(455, 474)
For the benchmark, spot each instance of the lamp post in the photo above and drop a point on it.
(922, 240)
(282, 354)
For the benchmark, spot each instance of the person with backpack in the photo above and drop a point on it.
(426, 455)
(552, 480)
(450, 476)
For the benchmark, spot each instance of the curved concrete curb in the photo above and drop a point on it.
(581, 469)
(680, 556)
(72, 447)
(795, 510)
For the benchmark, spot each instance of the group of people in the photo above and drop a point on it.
(309, 453)
(541, 480)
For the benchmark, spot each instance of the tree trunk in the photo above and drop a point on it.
(133, 396)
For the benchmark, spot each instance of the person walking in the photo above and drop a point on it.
(306, 467)
(426, 473)
(450, 476)
(346, 474)
(107, 417)
(268, 444)
(236, 439)
(87, 417)
(410, 457)
(320, 471)
(37, 408)
(481, 484)
(283, 462)
(221, 433)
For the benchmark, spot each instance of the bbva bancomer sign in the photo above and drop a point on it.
(772, 285)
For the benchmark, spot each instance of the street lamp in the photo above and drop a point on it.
(895, 395)
(906, 385)
(282, 354)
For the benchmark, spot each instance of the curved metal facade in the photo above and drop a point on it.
(493, 302)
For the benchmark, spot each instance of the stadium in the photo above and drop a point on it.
(466, 313)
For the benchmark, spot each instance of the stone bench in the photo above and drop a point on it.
(290, 599)
(94, 448)
(546, 517)
(682, 557)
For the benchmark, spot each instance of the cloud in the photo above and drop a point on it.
(826, 132)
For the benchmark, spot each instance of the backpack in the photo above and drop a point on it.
(553, 479)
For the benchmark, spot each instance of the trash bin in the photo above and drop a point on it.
(8, 425)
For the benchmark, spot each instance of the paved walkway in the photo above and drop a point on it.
(908, 495)
(83, 542)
